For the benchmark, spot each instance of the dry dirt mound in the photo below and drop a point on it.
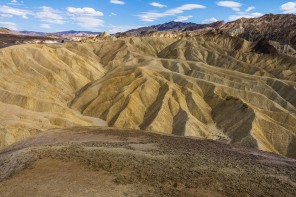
(89, 161)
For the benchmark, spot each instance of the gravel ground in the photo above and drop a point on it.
(91, 161)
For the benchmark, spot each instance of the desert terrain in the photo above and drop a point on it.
(212, 86)
(177, 109)
(92, 161)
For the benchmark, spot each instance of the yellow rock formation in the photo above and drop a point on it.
(37, 82)
(209, 86)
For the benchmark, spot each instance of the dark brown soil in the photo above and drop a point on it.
(115, 162)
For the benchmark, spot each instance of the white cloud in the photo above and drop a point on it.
(117, 2)
(121, 28)
(112, 14)
(210, 20)
(86, 11)
(247, 12)
(242, 15)
(236, 7)
(45, 26)
(14, 11)
(86, 17)
(159, 5)
(50, 15)
(6, 15)
(89, 22)
(250, 9)
(289, 8)
(15, 2)
(182, 18)
(230, 4)
(9, 25)
(152, 16)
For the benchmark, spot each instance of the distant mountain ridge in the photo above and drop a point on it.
(32, 33)
(76, 32)
(173, 26)
(62, 33)
(272, 27)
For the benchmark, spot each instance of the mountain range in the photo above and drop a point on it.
(279, 28)
(173, 26)
(62, 33)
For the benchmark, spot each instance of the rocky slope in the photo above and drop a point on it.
(280, 28)
(211, 86)
(37, 82)
(118, 162)
(7, 31)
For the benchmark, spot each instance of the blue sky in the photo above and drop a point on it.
(120, 15)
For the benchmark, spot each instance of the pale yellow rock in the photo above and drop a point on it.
(37, 82)
(209, 86)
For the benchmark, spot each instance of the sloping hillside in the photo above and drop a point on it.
(119, 162)
(210, 86)
(280, 28)
(213, 87)
(37, 82)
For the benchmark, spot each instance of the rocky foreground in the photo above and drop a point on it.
(91, 161)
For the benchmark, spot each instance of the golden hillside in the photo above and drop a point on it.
(37, 82)
(210, 86)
